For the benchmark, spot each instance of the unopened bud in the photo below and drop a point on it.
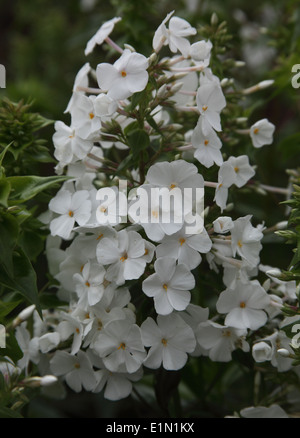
(24, 315)
(281, 225)
(239, 64)
(129, 47)
(176, 87)
(48, 380)
(36, 382)
(153, 59)
(265, 84)
(274, 273)
(267, 285)
(283, 352)
(214, 19)
(241, 119)
(132, 307)
(224, 82)
(163, 91)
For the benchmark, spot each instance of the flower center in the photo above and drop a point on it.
(77, 365)
(102, 209)
(172, 186)
(256, 131)
(71, 213)
(206, 142)
(77, 330)
(239, 244)
(164, 342)
(122, 346)
(123, 258)
(226, 333)
(165, 286)
(99, 237)
(146, 252)
(236, 169)
(91, 115)
(242, 305)
(87, 283)
(182, 240)
(204, 108)
(123, 74)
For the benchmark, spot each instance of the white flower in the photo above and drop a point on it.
(246, 240)
(210, 101)
(90, 237)
(226, 177)
(223, 224)
(124, 256)
(200, 52)
(104, 105)
(207, 147)
(170, 286)
(178, 175)
(220, 341)
(49, 341)
(120, 345)
(81, 80)
(109, 309)
(117, 385)
(72, 207)
(170, 339)
(244, 305)
(193, 315)
(261, 133)
(112, 207)
(261, 351)
(126, 76)
(71, 326)
(86, 124)
(76, 370)
(243, 170)
(279, 340)
(102, 33)
(174, 36)
(69, 147)
(28, 345)
(89, 284)
(185, 247)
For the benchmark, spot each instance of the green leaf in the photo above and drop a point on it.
(138, 141)
(24, 188)
(9, 413)
(12, 349)
(9, 232)
(6, 308)
(23, 279)
(2, 155)
(4, 191)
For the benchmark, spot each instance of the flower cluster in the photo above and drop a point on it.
(107, 274)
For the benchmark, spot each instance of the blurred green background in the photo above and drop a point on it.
(42, 46)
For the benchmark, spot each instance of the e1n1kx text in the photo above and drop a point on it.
(153, 427)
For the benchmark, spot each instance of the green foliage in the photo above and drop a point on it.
(22, 235)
